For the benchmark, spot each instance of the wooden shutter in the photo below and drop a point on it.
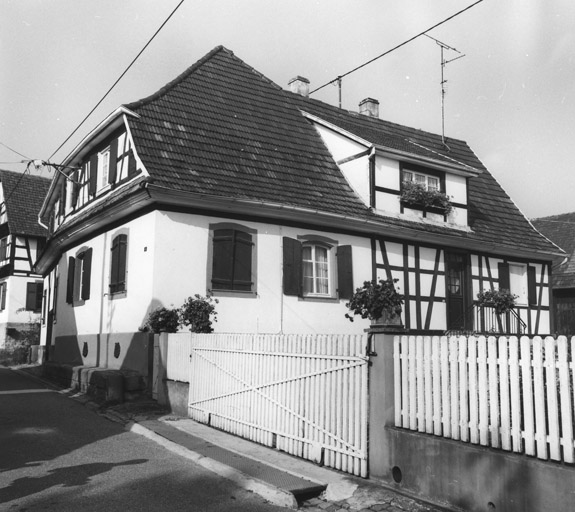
(131, 164)
(3, 294)
(39, 296)
(531, 286)
(344, 272)
(62, 196)
(118, 271)
(70, 281)
(86, 271)
(503, 276)
(292, 267)
(242, 262)
(75, 177)
(93, 174)
(112, 164)
(223, 259)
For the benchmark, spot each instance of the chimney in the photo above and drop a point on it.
(369, 107)
(299, 85)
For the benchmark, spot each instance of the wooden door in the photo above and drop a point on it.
(456, 291)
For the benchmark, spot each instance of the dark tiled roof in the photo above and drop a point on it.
(23, 195)
(561, 230)
(223, 129)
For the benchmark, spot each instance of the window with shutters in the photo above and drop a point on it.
(316, 267)
(233, 258)
(118, 268)
(34, 296)
(79, 277)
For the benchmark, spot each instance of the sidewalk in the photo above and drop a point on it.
(280, 478)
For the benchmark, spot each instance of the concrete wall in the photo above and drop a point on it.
(459, 474)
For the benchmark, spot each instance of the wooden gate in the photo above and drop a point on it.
(303, 394)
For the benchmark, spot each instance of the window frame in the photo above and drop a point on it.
(424, 173)
(3, 295)
(314, 245)
(248, 237)
(103, 175)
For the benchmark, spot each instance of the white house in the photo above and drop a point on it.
(279, 205)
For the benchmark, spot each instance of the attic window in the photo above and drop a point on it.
(103, 168)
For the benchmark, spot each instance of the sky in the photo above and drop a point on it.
(511, 96)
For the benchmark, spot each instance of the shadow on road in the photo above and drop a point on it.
(70, 476)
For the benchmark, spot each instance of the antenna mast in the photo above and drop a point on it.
(444, 47)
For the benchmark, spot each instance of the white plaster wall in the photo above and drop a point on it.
(357, 174)
(168, 262)
(387, 173)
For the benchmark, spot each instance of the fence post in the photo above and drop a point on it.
(381, 397)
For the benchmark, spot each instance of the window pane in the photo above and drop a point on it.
(307, 275)
(432, 183)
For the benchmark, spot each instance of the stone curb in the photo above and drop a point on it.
(269, 492)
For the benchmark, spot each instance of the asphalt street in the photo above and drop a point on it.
(58, 455)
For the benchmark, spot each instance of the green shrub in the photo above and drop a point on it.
(197, 313)
(162, 320)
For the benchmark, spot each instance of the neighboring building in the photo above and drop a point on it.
(561, 230)
(279, 205)
(21, 241)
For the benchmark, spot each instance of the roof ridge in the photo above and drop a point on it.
(373, 120)
(195, 66)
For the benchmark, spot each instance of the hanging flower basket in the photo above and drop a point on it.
(417, 194)
(502, 301)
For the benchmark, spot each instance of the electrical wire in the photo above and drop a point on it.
(396, 47)
(116, 82)
(14, 151)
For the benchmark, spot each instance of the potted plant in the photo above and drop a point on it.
(502, 300)
(417, 194)
(377, 300)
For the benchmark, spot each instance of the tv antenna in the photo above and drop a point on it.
(444, 62)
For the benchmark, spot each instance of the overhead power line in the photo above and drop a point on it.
(14, 151)
(338, 79)
(120, 77)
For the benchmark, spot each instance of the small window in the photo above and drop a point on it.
(520, 280)
(428, 181)
(34, 296)
(118, 264)
(232, 260)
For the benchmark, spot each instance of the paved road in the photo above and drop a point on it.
(57, 455)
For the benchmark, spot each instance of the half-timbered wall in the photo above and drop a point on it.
(107, 166)
(422, 276)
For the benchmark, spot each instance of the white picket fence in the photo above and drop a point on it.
(304, 394)
(508, 393)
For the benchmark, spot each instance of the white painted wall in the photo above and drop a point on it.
(168, 262)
